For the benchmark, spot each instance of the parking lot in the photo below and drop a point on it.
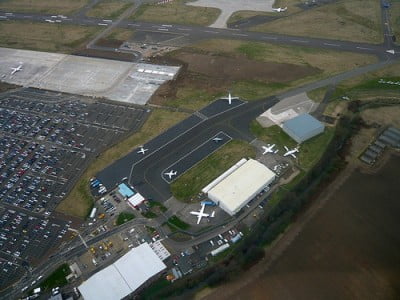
(47, 140)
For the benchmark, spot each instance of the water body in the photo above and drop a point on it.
(349, 249)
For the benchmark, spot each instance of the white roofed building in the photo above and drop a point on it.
(124, 276)
(240, 186)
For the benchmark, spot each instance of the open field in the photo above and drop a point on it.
(317, 95)
(115, 38)
(57, 278)
(176, 12)
(395, 18)
(76, 203)
(249, 69)
(124, 217)
(345, 246)
(191, 183)
(310, 151)
(43, 6)
(44, 37)
(353, 20)
(110, 9)
(384, 115)
(176, 222)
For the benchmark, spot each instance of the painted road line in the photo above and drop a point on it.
(299, 41)
(363, 48)
(239, 34)
(329, 44)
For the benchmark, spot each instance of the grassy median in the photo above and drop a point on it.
(44, 36)
(110, 9)
(176, 12)
(43, 6)
(191, 183)
(77, 202)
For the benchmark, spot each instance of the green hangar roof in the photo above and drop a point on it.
(303, 127)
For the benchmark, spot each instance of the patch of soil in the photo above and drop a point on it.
(215, 74)
(7, 86)
(105, 54)
(112, 43)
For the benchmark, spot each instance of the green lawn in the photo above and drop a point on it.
(175, 221)
(157, 205)
(124, 217)
(57, 278)
(191, 183)
(149, 214)
(310, 151)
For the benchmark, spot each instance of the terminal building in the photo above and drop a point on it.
(303, 127)
(238, 185)
(124, 276)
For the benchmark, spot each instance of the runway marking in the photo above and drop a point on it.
(131, 24)
(269, 38)
(329, 44)
(210, 139)
(239, 34)
(184, 29)
(299, 41)
(162, 29)
(363, 48)
(209, 31)
(242, 103)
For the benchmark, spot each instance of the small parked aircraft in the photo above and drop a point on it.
(279, 9)
(15, 70)
(200, 214)
(291, 152)
(230, 98)
(269, 149)
(142, 150)
(171, 173)
(217, 139)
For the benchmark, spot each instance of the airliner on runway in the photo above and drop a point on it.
(17, 69)
(229, 98)
(142, 150)
(171, 173)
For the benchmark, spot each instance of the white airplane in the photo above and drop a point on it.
(269, 149)
(279, 9)
(170, 173)
(15, 70)
(217, 139)
(291, 152)
(230, 98)
(142, 150)
(200, 214)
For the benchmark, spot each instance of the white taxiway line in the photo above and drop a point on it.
(176, 176)
(334, 45)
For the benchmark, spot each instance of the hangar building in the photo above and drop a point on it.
(124, 276)
(303, 127)
(241, 185)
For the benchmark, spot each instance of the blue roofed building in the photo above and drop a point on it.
(125, 191)
(303, 127)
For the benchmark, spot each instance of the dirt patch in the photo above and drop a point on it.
(105, 54)
(6, 87)
(241, 68)
(215, 74)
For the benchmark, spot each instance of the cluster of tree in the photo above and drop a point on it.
(251, 249)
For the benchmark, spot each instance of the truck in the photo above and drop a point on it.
(93, 213)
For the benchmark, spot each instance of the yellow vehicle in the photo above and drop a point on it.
(110, 244)
(105, 246)
(92, 250)
(101, 216)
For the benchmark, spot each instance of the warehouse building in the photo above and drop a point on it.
(124, 276)
(241, 186)
(303, 127)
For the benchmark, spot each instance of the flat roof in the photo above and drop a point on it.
(124, 276)
(302, 125)
(241, 185)
(125, 191)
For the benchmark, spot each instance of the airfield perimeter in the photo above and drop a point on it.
(185, 138)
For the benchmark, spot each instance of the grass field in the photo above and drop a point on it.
(176, 12)
(245, 14)
(44, 37)
(57, 278)
(354, 20)
(43, 6)
(124, 217)
(328, 61)
(191, 183)
(310, 151)
(110, 9)
(76, 203)
(175, 221)
(394, 12)
(317, 95)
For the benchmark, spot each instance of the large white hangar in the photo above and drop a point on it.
(124, 276)
(241, 183)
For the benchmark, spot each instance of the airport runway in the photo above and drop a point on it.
(206, 32)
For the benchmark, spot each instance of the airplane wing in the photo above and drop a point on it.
(199, 219)
(294, 156)
(196, 213)
(287, 149)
